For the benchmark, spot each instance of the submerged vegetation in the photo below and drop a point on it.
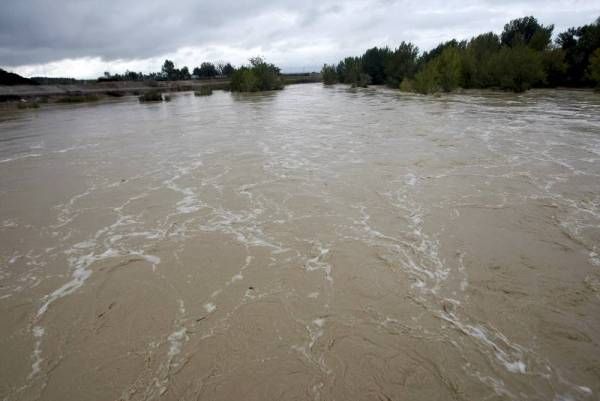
(153, 96)
(258, 76)
(78, 98)
(204, 91)
(523, 56)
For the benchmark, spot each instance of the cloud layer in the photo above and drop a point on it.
(83, 38)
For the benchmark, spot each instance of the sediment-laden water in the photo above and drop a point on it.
(310, 244)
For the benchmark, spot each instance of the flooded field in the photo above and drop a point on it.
(310, 244)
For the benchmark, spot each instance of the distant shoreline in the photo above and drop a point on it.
(13, 95)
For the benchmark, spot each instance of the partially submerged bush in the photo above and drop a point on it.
(152, 96)
(204, 91)
(28, 105)
(363, 81)
(259, 76)
(406, 85)
(427, 80)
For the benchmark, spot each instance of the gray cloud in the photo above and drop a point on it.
(289, 32)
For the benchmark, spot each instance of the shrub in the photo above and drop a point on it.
(204, 91)
(259, 76)
(428, 79)
(406, 85)
(152, 96)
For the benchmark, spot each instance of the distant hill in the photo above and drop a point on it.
(9, 78)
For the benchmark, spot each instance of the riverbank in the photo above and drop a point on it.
(32, 96)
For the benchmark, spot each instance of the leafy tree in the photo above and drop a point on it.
(518, 68)
(449, 69)
(527, 31)
(184, 73)
(227, 70)
(437, 51)
(555, 67)
(206, 70)
(401, 64)
(349, 70)
(168, 70)
(579, 44)
(373, 64)
(476, 67)
(593, 69)
(329, 74)
(427, 80)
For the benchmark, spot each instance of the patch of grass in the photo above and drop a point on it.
(204, 91)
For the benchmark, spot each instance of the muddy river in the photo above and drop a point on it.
(310, 244)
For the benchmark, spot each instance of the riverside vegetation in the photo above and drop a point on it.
(523, 56)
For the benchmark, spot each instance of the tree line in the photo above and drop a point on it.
(521, 57)
(169, 72)
(257, 76)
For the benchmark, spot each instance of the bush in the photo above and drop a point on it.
(428, 79)
(406, 85)
(204, 91)
(329, 74)
(259, 76)
(152, 96)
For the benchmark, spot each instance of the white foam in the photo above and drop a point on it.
(176, 341)
(36, 356)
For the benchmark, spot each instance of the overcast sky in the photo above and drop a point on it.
(82, 39)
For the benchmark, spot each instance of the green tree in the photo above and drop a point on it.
(401, 64)
(527, 31)
(206, 70)
(593, 69)
(258, 76)
(476, 67)
(227, 70)
(184, 73)
(518, 68)
(168, 70)
(555, 67)
(329, 74)
(349, 72)
(427, 80)
(373, 64)
(578, 45)
(449, 69)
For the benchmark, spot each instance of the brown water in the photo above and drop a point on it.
(310, 244)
